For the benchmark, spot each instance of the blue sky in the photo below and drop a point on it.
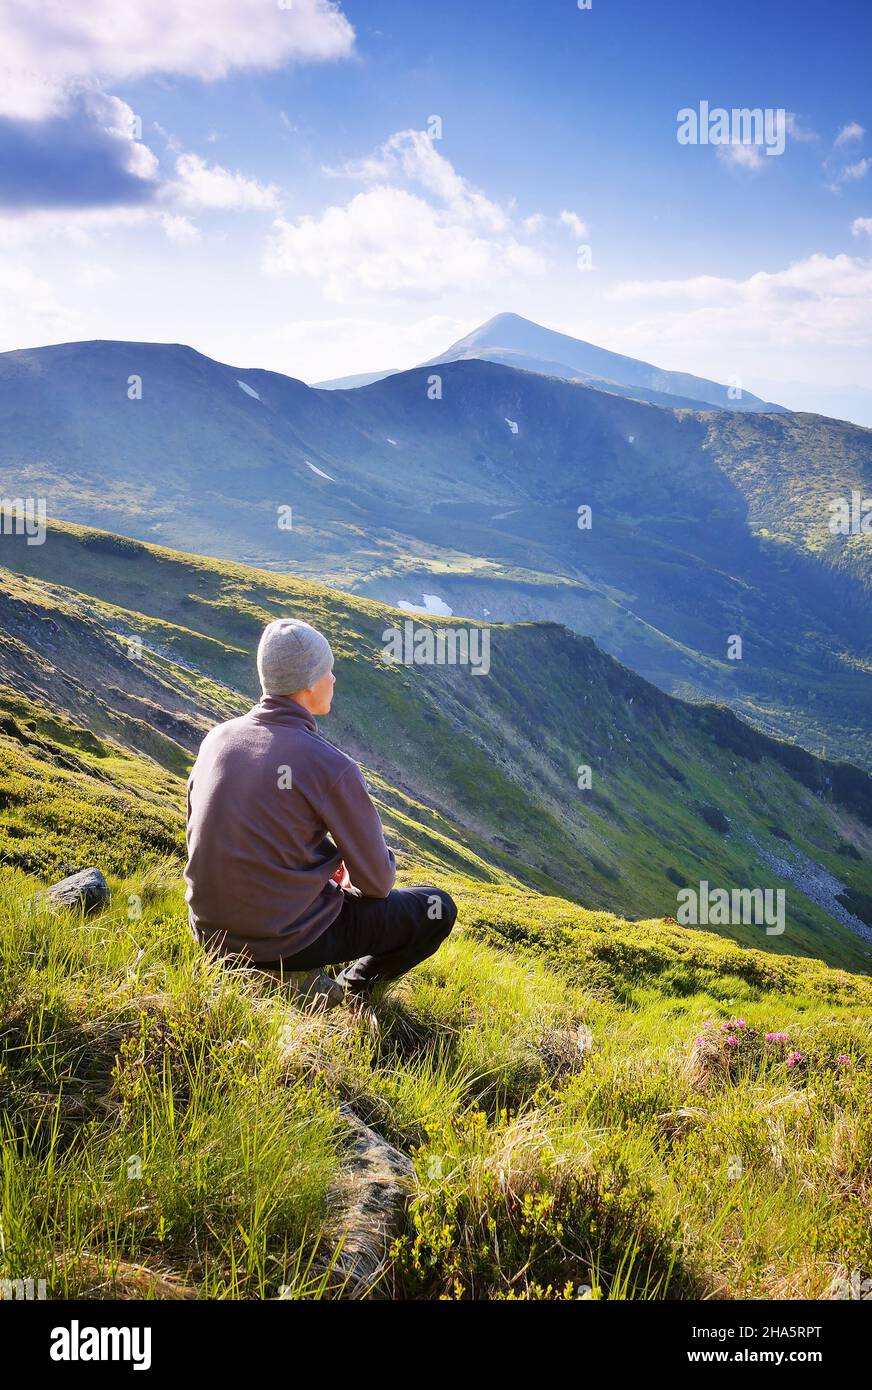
(289, 202)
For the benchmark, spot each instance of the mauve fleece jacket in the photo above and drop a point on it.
(261, 853)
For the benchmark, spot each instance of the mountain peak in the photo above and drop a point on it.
(514, 341)
(507, 319)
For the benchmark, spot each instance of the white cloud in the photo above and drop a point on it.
(797, 131)
(391, 238)
(181, 230)
(92, 275)
(699, 287)
(841, 173)
(851, 131)
(196, 187)
(319, 349)
(116, 119)
(172, 142)
(70, 144)
(742, 156)
(86, 157)
(31, 309)
(388, 240)
(201, 185)
(17, 277)
(861, 225)
(61, 47)
(411, 156)
(85, 227)
(80, 226)
(822, 300)
(739, 152)
(574, 223)
(856, 171)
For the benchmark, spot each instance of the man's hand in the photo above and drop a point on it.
(341, 877)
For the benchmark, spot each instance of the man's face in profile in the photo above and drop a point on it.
(320, 695)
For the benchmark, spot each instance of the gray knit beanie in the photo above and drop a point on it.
(292, 656)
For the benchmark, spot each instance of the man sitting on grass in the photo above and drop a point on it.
(287, 862)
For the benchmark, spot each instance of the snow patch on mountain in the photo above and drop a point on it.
(433, 604)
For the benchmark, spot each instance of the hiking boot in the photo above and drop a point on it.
(315, 990)
(353, 989)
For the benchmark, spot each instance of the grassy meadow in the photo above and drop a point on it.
(588, 1097)
(577, 1128)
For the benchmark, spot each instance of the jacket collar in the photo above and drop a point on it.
(281, 709)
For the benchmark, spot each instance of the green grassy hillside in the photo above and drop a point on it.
(679, 793)
(591, 1105)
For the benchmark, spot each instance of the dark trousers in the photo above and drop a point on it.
(382, 937)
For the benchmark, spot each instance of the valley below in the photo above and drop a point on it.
(705, 525)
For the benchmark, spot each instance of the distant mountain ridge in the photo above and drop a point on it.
(350, 383)
(706, 522)
(519, 342)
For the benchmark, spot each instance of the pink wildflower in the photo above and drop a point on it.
(793, 1058)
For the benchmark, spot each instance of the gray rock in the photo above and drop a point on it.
(315, 990)
(372, 1191)
(309, 989)
(87, 890)
(816, 882)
